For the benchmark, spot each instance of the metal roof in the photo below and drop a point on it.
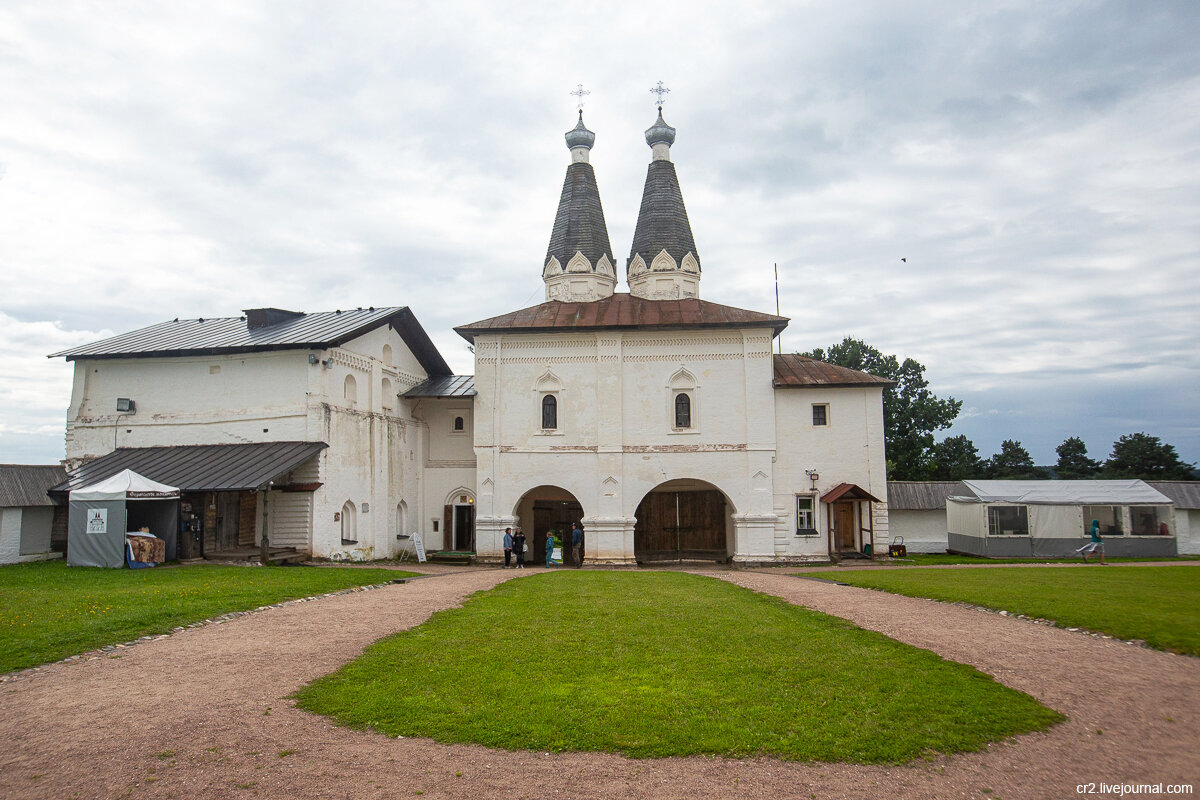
(198, 468)
(1185, 494)
(848, 491)
(662, 222)
(223, 335)
(919, 495)
(621, 310)
(445, 386)
(26, 484)
(1065, 493)
(796, 371)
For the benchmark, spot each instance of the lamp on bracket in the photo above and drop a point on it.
(813, 476)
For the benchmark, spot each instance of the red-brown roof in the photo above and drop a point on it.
(848, 491)
(622, 311)
(797, 371)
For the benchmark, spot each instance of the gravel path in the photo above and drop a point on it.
(203, 714)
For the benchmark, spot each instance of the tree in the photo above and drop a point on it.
(1140, 455)
(1013, 462)
(955, 459)
(1073, 462)
(911, 413)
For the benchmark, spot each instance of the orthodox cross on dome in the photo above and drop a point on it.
(661, 91)
(580, 93)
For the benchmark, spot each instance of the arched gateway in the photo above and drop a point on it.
(544, 509)
(683, 520)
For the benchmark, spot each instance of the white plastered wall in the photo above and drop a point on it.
(848, 449)
(616, 440)
(923, 531)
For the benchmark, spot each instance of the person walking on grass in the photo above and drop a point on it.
(508, 543)
(519, 546)
(577, 544)
(1096, 545)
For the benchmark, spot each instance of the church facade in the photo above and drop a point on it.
(661, 421)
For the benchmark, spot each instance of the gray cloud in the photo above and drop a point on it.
(1035, 164)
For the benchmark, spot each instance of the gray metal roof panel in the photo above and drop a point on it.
(919, 495)
(222, 335)
(445, 386)
(23, 485)
(199, 468)
(1185, 494)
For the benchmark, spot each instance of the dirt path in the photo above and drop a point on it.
(204, 714)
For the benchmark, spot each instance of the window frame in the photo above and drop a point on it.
(824, 407)
(812, 513)
(685, 395)
(548, 400)
(994, 530)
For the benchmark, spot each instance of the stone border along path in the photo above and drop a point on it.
(203, 713)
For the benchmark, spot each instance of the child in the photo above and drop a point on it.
(1096, 545)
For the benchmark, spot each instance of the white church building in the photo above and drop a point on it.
(663, 422)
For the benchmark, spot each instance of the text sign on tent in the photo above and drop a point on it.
(419, 545)
(97, 520)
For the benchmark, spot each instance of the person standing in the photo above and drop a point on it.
(508, 545)
(1096, 545)
(577, 545)
(550, 549)
(518, 544)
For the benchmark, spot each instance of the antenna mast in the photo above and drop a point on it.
(779, 338)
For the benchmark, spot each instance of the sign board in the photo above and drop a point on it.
(419, 546)
(97, 520)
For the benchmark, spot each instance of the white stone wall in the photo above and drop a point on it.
(923, 531)
(275, 396)
(848, 449)
(25, 533)
(615, 440)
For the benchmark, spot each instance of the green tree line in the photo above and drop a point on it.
(912, 414)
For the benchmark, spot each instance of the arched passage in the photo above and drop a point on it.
(681, 520)
(545, 509)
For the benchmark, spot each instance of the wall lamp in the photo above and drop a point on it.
(813, 476)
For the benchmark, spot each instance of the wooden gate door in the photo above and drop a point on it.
(675, 525)
(228, 513)
(843, 520)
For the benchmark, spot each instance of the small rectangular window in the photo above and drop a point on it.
(806, 523)
(820, 415)
(1109, 518)
(1008, 521)
(1150, 520)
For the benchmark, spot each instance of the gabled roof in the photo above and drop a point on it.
(579, 224)
(797, 371)
(621, 311)
(224, 335)
(26, 484)
(919, 495)
(199, 468)
(848, 491)
(1116, 492)
(1185, 494)
(445, 386)
(662, 222)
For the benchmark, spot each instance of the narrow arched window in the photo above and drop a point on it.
(683, 410)
(349, 523)
(549, 412)
(350, 390)
(459, 424)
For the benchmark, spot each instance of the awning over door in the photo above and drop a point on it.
(198, 468)
(848, 491)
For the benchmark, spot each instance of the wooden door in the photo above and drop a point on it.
(843, 522)
(675, 525)
(701, 523)
(228, 512)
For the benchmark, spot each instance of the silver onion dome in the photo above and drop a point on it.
(660, 131)
(580, 136)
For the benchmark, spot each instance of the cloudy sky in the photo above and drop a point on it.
(1037, 164)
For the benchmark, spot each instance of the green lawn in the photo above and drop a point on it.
(936, 559)
(666, 664)
(50, 611)
(1160, 605)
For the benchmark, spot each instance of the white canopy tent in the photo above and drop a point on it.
(1052, 518)
(101, 514)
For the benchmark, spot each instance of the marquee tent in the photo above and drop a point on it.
(102, 513)
(1051, 518)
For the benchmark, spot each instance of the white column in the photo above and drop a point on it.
(754, 538)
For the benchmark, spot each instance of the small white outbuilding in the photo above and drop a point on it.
(1036, 519)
